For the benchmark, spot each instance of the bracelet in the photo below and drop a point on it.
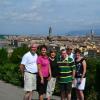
(41, 78)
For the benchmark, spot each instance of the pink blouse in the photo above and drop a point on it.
(44, 62)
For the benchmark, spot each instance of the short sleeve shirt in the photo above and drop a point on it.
(44, 62)
(30, 62)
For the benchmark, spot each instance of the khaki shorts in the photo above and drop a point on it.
(29, 81)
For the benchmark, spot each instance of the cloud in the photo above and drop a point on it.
(5, 2)
(16, 14)
(35, 11)
(59, 13)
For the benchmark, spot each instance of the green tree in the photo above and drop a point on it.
(3, 56)
(18, 53)
(92, 83)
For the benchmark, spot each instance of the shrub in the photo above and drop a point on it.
(10, 73)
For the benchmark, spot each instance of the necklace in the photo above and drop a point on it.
(52, 58)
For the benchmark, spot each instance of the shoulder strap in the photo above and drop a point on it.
(82, 60)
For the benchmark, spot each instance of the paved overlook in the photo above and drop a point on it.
(10, 92)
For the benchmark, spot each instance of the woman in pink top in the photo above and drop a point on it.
(44, 71)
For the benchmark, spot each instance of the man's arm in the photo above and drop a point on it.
(22, 67)
(73, 73)
(73, 70)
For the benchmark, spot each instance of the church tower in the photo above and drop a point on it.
(49, 34)
(50, 31)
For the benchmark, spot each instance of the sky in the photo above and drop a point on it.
(36, 16)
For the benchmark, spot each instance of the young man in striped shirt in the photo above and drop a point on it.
(66, 75)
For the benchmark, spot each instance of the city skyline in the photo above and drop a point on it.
(36, 16)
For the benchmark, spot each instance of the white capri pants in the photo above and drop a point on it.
(50, 87)
(78, 85)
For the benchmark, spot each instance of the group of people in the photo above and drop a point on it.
(41, 72)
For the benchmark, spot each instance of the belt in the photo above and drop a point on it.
(30, 72)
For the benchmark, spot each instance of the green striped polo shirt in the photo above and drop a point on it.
(65, 67)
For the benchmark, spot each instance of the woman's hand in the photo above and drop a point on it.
(49, 78)
(42, 81)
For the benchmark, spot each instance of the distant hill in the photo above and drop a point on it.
(70, 33)
(83, 32)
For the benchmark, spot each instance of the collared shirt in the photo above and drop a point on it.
(44, 62)
(66, 67)
(71, 56)
(30, 62)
